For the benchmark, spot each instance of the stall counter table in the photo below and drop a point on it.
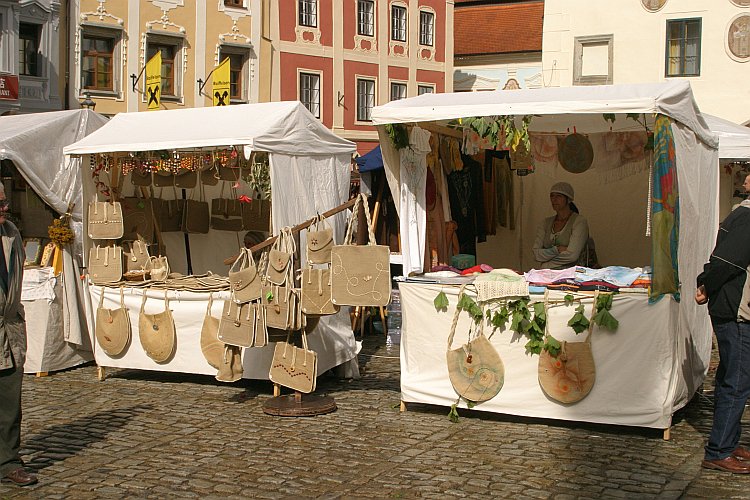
(645, 371)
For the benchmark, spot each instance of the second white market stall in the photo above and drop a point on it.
(654, 362)
(309, 174)
(734, 152)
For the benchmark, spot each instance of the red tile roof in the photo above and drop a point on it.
(498, 29)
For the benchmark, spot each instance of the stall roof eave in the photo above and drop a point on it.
(276, 127)
(672, 98)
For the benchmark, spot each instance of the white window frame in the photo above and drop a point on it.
(399, 26)
(580, 44)
(360, 15)
(426, 30)
(235, 50)
(682, 73)
(308, 17)
(115, 34)
(425, 88)
(363, 112)
(402, 86)
(311, 73)
(179, 43)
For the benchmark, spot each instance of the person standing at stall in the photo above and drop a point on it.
(725, 285)
(12, 350)
(560, 239)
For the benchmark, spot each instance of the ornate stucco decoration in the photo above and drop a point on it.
(367, 44)
(103, 18)
(653, 5)
(398, 49)
(307, 34)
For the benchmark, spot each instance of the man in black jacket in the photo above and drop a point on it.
(725, 285)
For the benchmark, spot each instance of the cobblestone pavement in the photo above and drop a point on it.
(160, 435)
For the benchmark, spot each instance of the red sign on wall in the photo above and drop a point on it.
(8, 87)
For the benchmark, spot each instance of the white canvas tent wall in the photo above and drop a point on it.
(34, 143)
(734, 146)
(310, 172)
(616, 211)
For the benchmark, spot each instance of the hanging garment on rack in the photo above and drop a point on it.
(412, 214)
(467, 204)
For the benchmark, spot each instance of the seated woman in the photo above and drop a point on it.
(560, 239)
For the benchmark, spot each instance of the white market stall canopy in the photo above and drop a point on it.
(35, 143)
(734, 140)
(275, 127)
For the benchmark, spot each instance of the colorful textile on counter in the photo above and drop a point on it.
(616, 275)
(545, 276)
(665, 218)
(479, 268)
(603, 286)
(499, 284)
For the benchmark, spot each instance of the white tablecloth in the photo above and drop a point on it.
(333, 339)
(645, 371)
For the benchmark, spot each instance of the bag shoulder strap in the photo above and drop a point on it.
(143, 300)
(456, 314)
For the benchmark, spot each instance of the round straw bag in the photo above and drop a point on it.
(156, 332)
(211, 347)
(575, 153)
(112, 327)
(475, 369)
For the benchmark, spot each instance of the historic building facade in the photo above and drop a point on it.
(343, 57)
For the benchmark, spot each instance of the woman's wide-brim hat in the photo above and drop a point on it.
(575, 153)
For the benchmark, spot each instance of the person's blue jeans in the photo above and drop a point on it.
(732, 387)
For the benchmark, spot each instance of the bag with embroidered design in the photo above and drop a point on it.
(319, 241)
(361, 274)
(138, 218)
(316, 292)
(112, 329)
(294, 367)
(280, 258)
(244, 280)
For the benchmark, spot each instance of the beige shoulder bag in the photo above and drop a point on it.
(156, 332)
(105, 220)
(294, 367)
(244, 279)
(112, 327)
(105, 264)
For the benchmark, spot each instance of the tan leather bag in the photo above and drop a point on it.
(105, 264)
(239, 323)
(319, 242)
(282, 307)
(105, 220)
(137, 258)
(361, 273)
(280, 259)
(112, 329)
(294, 367)
(244, 279)
(569, 376)
(156, 332)
(475, 369)
(316, 293)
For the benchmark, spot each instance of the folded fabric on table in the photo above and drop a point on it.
(616, 275)
(545, 276)
(593, 285)
(499, 284)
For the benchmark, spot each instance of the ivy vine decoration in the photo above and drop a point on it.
(500, 131)
(398, 134)
(639, 118)
(603, 317)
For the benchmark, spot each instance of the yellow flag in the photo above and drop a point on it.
(221, 83)
(153, 81)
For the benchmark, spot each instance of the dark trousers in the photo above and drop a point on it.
(732, 387)
(10, 419)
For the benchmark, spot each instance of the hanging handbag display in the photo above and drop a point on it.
(256, 215)
(226, 213)
(361, 274)
(105, 264)
(569, 376)
(280, 258)
(156, 332)
(210, 176)
(230, 369)
(316, 293)
(185, 179)
(158, 268)
(196, 217)
(137, 218)
(140, 177)
(282, 307)
(171, 214)
(211, 347)
(242, 325)
(112, 329)
(294, 367)
(163, 178)
(319, 241)
(244, 279)
(137, 258)
(475, 369)
(105, 220)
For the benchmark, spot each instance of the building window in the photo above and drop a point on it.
(683, 47)
(426, 28)
(398, 91)
(366, 17)
(398, 23)
(365, 99)
(97, 55)
(170, 64)
(592, 60)
(238, 59)
(29, 35)
(239, 4)
(308, 13)
(309, 92)
(425, 89)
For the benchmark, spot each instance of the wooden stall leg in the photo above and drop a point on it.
(383, 321)
(42, 374)
(276, 390)
(403, 406)
(100, 373)
(666, 433)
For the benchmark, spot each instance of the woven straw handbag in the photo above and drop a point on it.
(156, 332)
(244, 279)
(294, 367)
(319, 242)
(316, 293)
(137, 258)
(105, 220)
(112, 327)
(105, 264)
